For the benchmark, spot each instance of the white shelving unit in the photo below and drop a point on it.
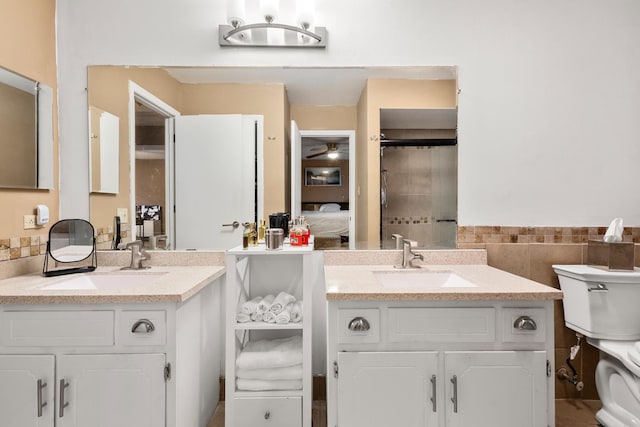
(258, 272)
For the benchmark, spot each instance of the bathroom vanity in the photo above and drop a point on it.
(442, 345)
(111, 348)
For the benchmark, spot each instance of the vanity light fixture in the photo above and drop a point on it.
(271, 33)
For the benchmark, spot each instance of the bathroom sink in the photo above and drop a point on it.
(103, 281)
(422, 279)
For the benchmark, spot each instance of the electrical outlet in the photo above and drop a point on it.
(29, 222)
(123, 213)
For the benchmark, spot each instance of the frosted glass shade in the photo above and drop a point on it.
(270, 9)
(305, 13)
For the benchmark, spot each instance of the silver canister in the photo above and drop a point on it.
(274, 238)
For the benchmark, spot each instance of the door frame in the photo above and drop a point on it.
(138, 93)
(351, 134)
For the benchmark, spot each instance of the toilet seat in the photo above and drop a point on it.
(627, 352)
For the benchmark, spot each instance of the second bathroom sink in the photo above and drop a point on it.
(422, 279)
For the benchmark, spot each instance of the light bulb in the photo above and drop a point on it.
(269, 9)
(333, 155)
(305, 11)
(235, 13)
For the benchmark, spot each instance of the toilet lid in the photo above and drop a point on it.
(634, 353)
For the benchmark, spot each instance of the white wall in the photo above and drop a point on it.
(549, 121)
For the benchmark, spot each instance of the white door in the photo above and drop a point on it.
(296, 170)
(112, 390)
(20, 391)
(496, 388)
(215, 184)
(382, 389)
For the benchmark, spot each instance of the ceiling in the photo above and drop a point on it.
(312, 85)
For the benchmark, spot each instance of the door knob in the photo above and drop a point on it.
(234, 224)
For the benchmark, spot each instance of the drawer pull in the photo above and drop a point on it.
(143, 326)
(359, 324)
(434, 389)
(63, 404)
(267, 415)
(40, 385)
(525, 323)
(454, 399)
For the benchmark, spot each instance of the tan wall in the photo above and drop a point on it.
(267, 100)
(312, 117)
(330, 193)
(27, 47)
(386, 93)
(109, 91)
(17, 138)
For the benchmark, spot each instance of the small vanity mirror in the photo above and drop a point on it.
(70, 241)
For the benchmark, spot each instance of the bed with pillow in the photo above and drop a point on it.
(329, 221)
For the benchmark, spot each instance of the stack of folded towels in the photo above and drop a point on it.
(280, 309)
(270, 365)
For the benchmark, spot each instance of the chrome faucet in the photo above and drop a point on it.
(408, 255)
(138, 254)
(398, 238)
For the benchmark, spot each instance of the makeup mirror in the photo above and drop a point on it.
(70, 241)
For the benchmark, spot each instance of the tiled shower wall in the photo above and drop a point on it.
(530, 252)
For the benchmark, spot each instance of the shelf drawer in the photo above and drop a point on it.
(442, 324)
(142, 328)
(57, 328)
(268, 411)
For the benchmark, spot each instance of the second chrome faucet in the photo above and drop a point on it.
(138, 254)
(408, 256)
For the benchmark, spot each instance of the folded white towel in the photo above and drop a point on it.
(296, 312)
(261, 385)
(269, 317)
(281, 301)
(285, 315)
(277, 353)
(250, 307)
(287, 373)
(257, 317)
(242, 317)
(265, 304)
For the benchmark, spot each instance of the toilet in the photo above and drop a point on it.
(605, 307)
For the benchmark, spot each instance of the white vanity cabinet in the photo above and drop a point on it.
(440, 363)
(111, 364)
(256, 272)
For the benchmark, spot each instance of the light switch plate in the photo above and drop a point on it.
(123, 213)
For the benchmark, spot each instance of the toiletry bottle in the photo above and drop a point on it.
(261, 230)
(305, 231)
(245, 238)
(253, 235)
(294, 236)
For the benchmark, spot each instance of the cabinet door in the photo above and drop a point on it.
(387, 389)
(22, 402)
(496, 388)
(112, 390)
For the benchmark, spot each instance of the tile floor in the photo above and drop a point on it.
(569, 413)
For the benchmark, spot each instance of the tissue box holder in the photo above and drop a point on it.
(610, 256)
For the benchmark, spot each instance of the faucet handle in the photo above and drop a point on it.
(133, 243)
(411, 243)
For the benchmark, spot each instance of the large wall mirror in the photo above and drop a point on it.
(406, 116)
(26, 132)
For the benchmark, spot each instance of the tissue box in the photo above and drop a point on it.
(611, 256)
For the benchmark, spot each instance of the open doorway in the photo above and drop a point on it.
(151, 169)
(323, 182)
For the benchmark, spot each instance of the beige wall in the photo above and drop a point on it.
(27, 46)
(268, 100)
(109, 91)
(313, 117)
(386, 93)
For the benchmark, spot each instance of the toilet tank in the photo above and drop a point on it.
(599, 303)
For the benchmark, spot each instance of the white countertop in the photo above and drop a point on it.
(359, 283)
(158, 284)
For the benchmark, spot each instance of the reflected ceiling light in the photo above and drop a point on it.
(263, 34)
(333, 155)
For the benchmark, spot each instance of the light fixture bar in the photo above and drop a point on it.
(226, 35)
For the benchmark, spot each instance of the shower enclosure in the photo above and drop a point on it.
(418, 192)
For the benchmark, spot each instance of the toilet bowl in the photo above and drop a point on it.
(603, 306)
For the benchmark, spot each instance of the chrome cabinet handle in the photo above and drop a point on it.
(63, 404)
(454, 399)
(525, 323)
(41, 404)
(267, 415)
(234, 224)
(600, 288)
(433, 392)
(143, 326)
(359, 324)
